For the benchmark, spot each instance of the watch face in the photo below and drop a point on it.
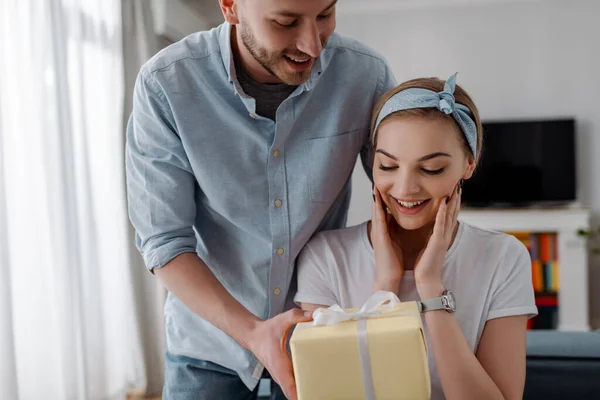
(450, 302)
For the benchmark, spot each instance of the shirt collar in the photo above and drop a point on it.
(228, 62)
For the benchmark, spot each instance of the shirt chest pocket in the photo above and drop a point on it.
(331, 161)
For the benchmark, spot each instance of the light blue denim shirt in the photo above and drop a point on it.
(206, 174)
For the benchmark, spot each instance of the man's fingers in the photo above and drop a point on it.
(297, 315)
(288, 385)
(285, 375)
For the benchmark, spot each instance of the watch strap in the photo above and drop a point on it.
(431, 304)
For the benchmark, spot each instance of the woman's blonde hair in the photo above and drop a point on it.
(435, 85)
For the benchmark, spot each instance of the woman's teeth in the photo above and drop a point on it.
(407, 204)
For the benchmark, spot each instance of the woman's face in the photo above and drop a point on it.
(418, 162)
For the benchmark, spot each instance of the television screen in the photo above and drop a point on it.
(524, 163)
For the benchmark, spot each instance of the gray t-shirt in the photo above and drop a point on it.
(268, 96)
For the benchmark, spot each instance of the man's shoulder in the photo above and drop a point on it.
(187, 53)
(340, 45)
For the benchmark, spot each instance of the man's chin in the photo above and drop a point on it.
(293, 78)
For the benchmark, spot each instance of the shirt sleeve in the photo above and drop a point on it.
(160, 182)
(513, 293)
(386, 82)
(313, 279)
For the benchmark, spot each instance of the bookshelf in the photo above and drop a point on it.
(571, 292)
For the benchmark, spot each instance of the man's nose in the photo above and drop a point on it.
(309, 41)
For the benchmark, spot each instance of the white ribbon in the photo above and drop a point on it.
(378, 305)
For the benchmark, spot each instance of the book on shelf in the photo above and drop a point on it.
(543, 250)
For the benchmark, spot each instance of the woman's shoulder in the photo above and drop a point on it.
(343, 240)
(490, 241)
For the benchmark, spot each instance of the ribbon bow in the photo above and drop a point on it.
(379, 303)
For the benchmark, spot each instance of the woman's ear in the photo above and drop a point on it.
(229, 10)
(470, 167)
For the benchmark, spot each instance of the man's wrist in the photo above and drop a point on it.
(248, 330)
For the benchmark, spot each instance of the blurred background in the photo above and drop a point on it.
(80, 317)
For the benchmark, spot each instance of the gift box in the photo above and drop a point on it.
(375, 353)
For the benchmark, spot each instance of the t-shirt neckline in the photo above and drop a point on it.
(410, 274)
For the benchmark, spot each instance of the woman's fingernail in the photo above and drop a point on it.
(307, 314)
(447, 199)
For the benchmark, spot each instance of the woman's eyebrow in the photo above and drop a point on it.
(424, 158)
(434, 155)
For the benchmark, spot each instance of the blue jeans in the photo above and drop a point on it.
(192, 379)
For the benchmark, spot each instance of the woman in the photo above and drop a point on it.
(427, 138)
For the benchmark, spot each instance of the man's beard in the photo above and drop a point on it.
(272, 61)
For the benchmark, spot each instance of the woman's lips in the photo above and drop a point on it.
(410, 210)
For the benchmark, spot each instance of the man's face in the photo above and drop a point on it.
(281, 39)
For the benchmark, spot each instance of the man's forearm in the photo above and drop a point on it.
(192, 282)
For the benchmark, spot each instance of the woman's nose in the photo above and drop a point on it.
(406, 185)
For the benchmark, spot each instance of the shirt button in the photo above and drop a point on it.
(277, 291)
(252, 116)
(276, 153)
(278, 203)
(280, 251)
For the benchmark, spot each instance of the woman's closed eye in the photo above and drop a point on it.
(424, 170)
(386, 168)
(433, 171)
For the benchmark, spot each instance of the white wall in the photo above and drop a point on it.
(518, 59)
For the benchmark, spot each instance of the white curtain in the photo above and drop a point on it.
(68, 327)
(139, 44)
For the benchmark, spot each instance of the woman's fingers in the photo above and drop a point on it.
(380, 214)
(458, 204)
(453, 208)
(440, 219)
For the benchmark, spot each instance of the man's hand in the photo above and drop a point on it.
(268, 342)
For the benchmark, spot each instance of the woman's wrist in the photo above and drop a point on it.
(388, 283)
(430, 290)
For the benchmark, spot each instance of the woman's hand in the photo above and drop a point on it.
(428, 268)
(388, 256)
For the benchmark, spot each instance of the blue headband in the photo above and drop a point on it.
(444, 101)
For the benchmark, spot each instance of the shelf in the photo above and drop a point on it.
(568, 309)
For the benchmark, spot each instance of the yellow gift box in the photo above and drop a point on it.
(375, 353)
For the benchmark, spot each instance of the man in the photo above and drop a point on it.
(240, 147)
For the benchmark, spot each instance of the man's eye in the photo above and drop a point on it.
(325, 16)
(286, 24)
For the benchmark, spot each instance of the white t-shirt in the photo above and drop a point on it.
(488, 272)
